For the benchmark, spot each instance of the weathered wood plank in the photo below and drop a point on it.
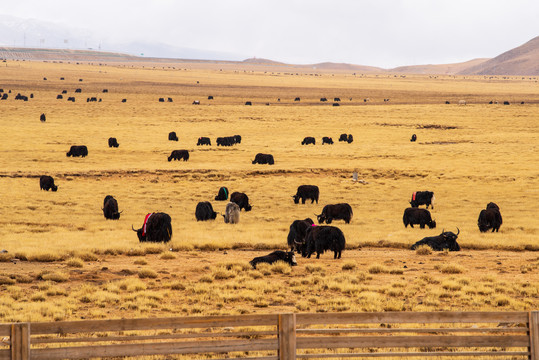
(412, 317)
(411, 330)
(191, 347)
(5, 354)
(156, 323)
(411, 341)
(468, 354)
(534, 335)
(5, 329)
(149, 337)
(20, 341)
(287, 336)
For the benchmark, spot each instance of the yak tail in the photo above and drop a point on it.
(133, 228)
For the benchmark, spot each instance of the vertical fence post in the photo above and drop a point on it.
(20, 341)
(534, 335)
(287, 336)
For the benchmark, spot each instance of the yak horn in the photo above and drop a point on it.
(458, 231)
(298, 243)
(133, 228)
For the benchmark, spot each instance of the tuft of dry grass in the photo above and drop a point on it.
(423, 250)
(378, 269)
(167, 256)
(54, 276)
(75, 262)
(349, 265)
(140, 262)
(280, 267)
(147, 274)
(452, 269)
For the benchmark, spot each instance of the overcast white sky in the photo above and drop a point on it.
(385, 33)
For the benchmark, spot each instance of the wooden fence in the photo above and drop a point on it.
(513, 335)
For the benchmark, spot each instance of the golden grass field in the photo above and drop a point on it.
(75, 264)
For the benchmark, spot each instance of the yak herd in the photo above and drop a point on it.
(304, 237)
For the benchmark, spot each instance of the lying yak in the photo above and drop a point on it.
(157, 227)
(241, 199)
(179, 155)
(305, 192)
(46, 183)
(321, 238)
(204, 211)
(446, 240)
(418, 216)
(110, 208)
(296, 235)
(342, 211)
(287, 256)
(232, 213)
(222, 194)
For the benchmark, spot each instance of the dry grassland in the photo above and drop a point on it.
(76, 264)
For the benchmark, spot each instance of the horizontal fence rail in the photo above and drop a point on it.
(513, 335)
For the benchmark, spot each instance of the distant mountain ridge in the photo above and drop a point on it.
(522, 60)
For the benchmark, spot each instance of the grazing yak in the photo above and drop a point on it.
(241, 199)
(232, 213)
(248, 103)
(113, 142)
(263, 159)
(446, 240)
(77, 150)
(204, 211)
(179, 155)
(58, 97)
(161, 99)
(327, 140)
(323, 99)
(110, 208)
(204, 141)
(287, 256)
(124, 100)
(296, 235)
(350, 139)
(46, 183)
(305, 192)
(414, 138)
(42, 118)
(172, 136)
(297, 99)
(308, 140)
(343, 137)
(422, 198)
(228, 140)
(342, 211)
(322, 238)
(490, 218)
(157, 227)
(222, 194)
(422, 217)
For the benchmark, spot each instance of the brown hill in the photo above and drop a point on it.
(522, 60)
(442, 69)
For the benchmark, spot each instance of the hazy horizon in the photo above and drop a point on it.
(384, 34)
